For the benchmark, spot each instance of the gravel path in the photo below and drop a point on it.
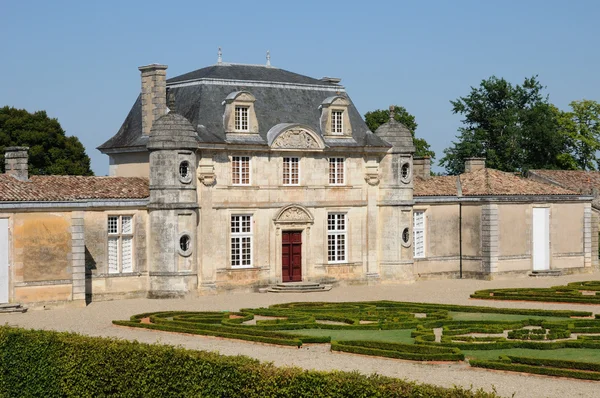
(95, 320)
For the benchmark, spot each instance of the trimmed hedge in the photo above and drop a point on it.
(571, 293)
(52, 364)
(548, 367)
(398, 351)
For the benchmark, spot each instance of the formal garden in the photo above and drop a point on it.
(555, 343)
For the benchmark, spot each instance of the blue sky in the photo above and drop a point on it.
(78, 59)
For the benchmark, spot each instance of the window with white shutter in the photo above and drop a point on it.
(419, 234)
(120, 244)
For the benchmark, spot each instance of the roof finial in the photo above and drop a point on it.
(268, 58)
(171, 101)
(220, 56)
(392, 112)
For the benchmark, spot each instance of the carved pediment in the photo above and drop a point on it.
(296, 139)
(294, 214)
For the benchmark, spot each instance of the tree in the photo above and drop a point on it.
(50, 150)
(376, 118)
(514, 127)
(581, 127)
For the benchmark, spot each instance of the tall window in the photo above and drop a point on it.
(241, 118)
(241, 241)
(337, 123)
(240, 170)
(120, 244)
(291, 171)
(336, 171)
(336, 237)
(419, 234)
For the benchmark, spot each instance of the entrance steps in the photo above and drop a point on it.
(298, 287)
(548, 272)
(5, 308)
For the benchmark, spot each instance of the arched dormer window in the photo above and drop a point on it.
(239, 116)
(335, 121)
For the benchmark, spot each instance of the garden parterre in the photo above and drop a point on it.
(437, 336)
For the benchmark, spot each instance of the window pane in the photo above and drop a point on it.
(235, 251)
(127, 225)
(127, 254)
(113, 224)
(113, 255)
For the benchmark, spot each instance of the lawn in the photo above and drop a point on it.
(567, 354)
(392, 336)
(477, 316)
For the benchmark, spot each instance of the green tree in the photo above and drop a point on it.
(50, 150)
(514, 127)
(376, 118)
(581, 128)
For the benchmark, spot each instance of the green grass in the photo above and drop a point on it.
(392, 336)
(478, 316)
(570, 354)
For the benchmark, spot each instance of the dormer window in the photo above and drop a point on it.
(239, 115)
(337, 122)
(241, 118)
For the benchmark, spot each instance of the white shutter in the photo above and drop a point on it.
(127, 254)
(419, 234)
(113, 255)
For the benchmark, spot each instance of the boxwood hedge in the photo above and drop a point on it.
(52, 364)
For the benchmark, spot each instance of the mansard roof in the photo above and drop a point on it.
(281, 97)
(71, 188)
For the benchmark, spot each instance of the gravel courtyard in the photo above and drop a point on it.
(95, 320)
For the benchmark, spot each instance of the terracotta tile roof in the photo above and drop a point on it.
(575, 180)
(66, 188)
(490, 182)
(486, 182)
(435, 186)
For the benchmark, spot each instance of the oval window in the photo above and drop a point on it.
(185, 245)
(185, 172)
(405, 236)
(405, 171)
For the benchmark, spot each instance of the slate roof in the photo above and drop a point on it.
(396, 134)
(247, 72)
(485, 182)
(201, 102)
(71, 188)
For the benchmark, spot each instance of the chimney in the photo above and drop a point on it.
(154, 94)
(422, 167)
(15, 162)
(474, 164)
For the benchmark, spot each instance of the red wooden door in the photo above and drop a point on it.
(291, 256)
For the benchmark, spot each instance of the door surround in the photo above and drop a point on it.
(292, 218)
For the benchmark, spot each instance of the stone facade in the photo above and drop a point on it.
(251, 176)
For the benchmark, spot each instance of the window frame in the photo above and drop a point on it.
(416, 230)
(239, 236)
(335, 163)
(239, 113)
(336, 233)
(337, 119)
(119, 236)
(240, 167)
(287, 180)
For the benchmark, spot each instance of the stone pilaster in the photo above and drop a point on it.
(489, 238)
(595, 231)
(154, 94)
(78, 255)
(587, 236)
